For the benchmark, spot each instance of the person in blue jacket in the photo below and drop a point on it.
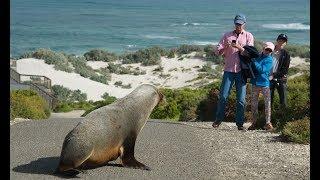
(262, 67)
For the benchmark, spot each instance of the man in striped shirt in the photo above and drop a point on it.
(229, 47)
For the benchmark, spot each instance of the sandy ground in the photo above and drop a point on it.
(295, 61)
(71, 114)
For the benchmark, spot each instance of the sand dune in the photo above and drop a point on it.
(176, 68)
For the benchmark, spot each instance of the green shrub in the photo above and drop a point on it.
(297, 131)
(166, 111)
(114, 68)
(77, 95)
(182, 104)
(160, 50)
(81, 105)
(207, 68)
(69, 106)
(28, 104)
(100, 55)
(105, 95)
(211, 56)
(186, 49)
(66, 95)
(152, 57)
(63, 107)
(147, 57)
(118, 83)
(302, 51)
(26, 55)
(99, 78)
(62, 93)
(293, 70)
(98, 104)
(172, 53)
(106, 72)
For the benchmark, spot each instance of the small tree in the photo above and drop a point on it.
(61, 92)
(100, 55)
(78, 96)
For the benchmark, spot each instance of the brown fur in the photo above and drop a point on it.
(110, 132)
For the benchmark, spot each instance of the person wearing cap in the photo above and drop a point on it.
(260, 83)
(278, 77)
(229, 46)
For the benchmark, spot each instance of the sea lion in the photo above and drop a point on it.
(109, 132)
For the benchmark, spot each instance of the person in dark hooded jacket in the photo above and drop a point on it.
(278, 76)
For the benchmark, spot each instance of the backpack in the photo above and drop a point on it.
(246, 62)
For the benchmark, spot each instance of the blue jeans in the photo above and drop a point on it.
(227, 82)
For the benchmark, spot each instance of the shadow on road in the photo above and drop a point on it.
(45, 165)
(48, 165)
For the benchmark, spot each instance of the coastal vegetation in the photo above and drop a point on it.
(100, 55)
(66, 95)
(27, 104)
(200, 105)
(147, 57)
(58, 59)
(183, 104)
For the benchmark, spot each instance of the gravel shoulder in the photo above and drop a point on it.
(191, 150)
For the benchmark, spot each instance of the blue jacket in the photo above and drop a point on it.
(262, 67)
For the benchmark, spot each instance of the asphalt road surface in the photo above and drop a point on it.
(172, 151)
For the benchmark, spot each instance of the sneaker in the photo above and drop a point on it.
(241, 128)
(252, 127)
(268, 127)
(216, 124)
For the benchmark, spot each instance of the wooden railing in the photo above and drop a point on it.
(49, 97)
(13, 63)
(40, 84)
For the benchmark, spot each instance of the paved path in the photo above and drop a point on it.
(173, 151)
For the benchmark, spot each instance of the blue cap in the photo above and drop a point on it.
(240, 19)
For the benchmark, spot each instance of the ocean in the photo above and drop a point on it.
(78, 26)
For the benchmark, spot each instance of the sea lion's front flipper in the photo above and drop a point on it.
(127, 153)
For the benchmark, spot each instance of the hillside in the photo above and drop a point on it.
(171, 73)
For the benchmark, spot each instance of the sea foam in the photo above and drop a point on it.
(160, 37)
(290, 26)
(204, 43)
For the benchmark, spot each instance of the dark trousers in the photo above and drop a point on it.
(281, 87)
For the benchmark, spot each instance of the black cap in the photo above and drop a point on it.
(282, 36)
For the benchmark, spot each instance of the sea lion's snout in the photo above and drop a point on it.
(162, 98)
